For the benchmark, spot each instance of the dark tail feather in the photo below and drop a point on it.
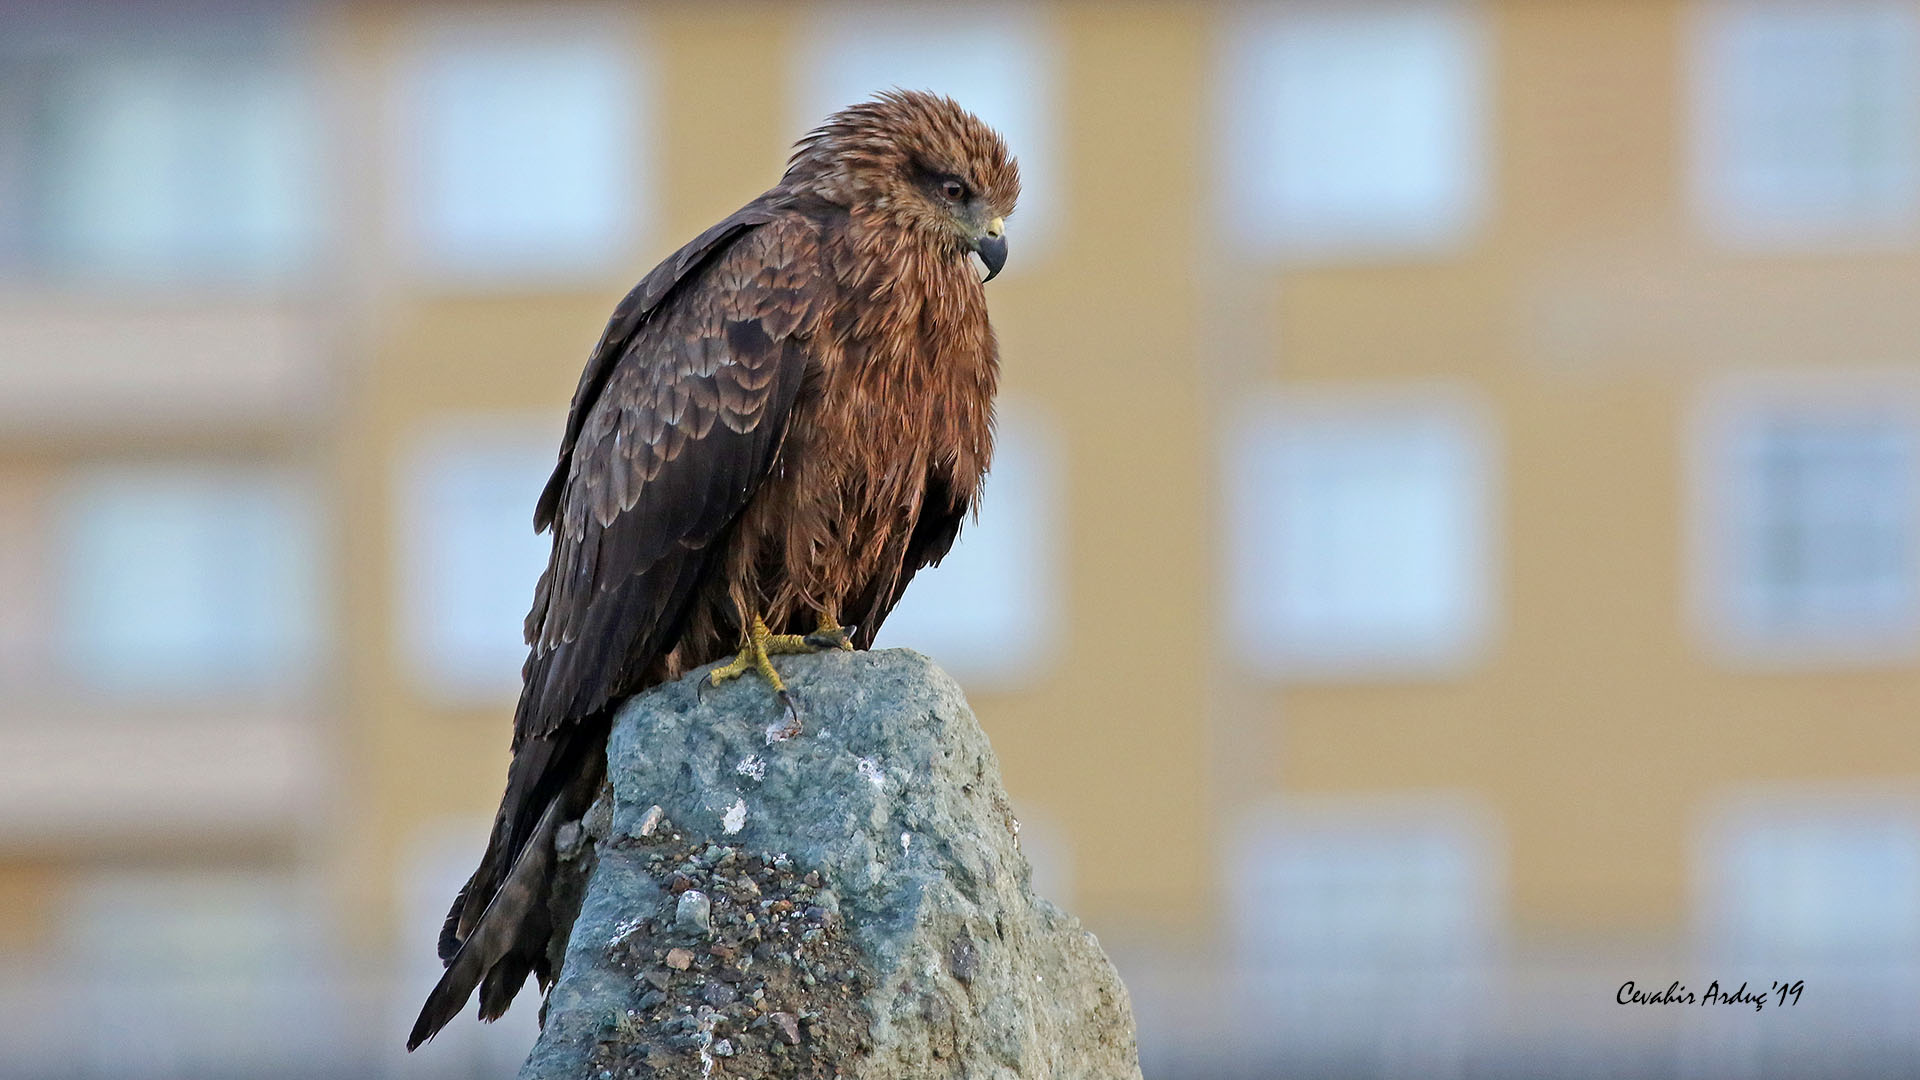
(540, 769)
(450, 930)
(532, 929)
(497, 990)
(501, 927)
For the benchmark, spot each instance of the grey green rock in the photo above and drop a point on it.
(863, 908)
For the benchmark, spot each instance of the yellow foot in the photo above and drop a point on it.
(762, 645)
(830, 635)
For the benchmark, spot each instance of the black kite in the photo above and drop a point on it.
(781, 424)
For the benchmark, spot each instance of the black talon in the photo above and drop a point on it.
(793, 714)
(840, 637)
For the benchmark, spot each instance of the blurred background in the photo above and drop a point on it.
(1455, 546)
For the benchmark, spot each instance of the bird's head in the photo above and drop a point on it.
(921, 162)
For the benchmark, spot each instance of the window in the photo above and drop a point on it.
(522, 144)
(1809, 521)
(989, 612)
(469, 555)
(156, 160)
(1821, 890)
(187, 578)
(1806, 119)
(996, 63)
(1360, 534)
(1355, 132)
(1381, 887)
(1820, 883)
(1367, 930)
(196, 973)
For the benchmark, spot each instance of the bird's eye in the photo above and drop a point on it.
(954, 189)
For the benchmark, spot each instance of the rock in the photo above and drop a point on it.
(832, 944)
(694, 912)
(651, 820)
(962, 958)
(789, 1027)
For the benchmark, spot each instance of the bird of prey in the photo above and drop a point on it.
(780, 425)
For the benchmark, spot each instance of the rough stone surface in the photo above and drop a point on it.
(868, 913)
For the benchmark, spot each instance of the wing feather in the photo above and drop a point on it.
(668, 454)
(624, 326)
(678, 416)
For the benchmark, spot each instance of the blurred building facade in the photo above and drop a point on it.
(1455, 546)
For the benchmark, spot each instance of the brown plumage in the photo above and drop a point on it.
(787, 418)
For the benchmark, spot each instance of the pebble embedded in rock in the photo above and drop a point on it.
(789, 1026)
(651, 822)
(963, 958)
(719, 995)
(694, 912)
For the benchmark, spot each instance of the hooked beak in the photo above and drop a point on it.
(992, 248)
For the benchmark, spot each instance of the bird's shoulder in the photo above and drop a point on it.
(718, 339)
(731, 298)
(775, 277)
